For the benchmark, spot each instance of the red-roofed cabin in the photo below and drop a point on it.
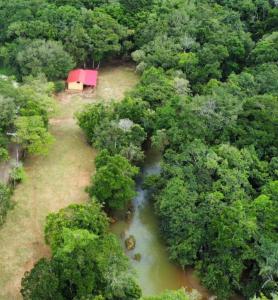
(79, 78)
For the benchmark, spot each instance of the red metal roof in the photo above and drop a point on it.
(87, 77)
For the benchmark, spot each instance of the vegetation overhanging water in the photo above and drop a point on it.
(154, 270)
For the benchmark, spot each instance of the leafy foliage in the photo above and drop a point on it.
(87, 262)
(266, 49)
(5, 202)
(106, 129)
(7, 112)
(205, 41)
(46, 57)
(207, 99)
(41, 282)
(25, 111)
(171, 295)
(4, 154)
(89, 217)
(17, 174)
(32, 135)
(35, 31)
(113, 183)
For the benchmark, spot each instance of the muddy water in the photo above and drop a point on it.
(154, 270)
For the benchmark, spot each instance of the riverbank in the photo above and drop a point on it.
(53, 182)
(154, 269)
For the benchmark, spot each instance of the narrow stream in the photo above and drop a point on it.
(155, 272)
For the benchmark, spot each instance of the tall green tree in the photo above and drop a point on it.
(7, 113)
(84, 266)
(105, 34)
(266, 50)
(47, 57)
(75, 216)
(113, 184)
(32, 135)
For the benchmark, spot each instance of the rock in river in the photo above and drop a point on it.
(137, 256)
(130, 243)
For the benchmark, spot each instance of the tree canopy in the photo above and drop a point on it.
(114, 182)
(207, 100)
(86, 262)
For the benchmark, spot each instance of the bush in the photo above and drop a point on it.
(4, 154)
(174, 295)
(18, 174)
(59, 86)
(5, 202)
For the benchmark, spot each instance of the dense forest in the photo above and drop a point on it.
(207, 100)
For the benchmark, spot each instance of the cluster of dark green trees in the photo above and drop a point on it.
(87, 261)
(208, 39)
(211, 78)
(52, 37)
(207, 99)
(217, 194)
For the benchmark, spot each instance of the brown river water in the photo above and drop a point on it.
(155, 272)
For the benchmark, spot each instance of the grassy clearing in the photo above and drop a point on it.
(53, 182)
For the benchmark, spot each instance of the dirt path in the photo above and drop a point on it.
(52, 182)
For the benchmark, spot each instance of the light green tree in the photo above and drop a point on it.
(32, 135)
(113, 184)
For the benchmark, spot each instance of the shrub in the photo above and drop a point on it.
(5, 202)
(17, 174)
(59, 86)
(4, 154)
